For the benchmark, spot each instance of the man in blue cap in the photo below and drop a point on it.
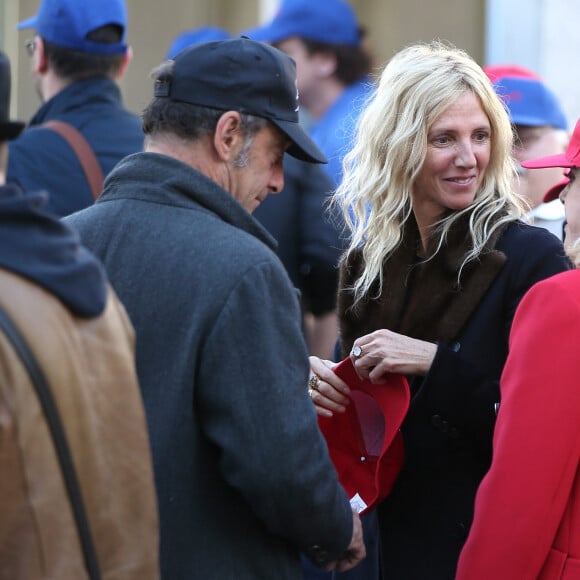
(541, 129)
(326, 41)
(78, 54)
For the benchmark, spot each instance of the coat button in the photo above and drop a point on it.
(318, 555)
(436, 421)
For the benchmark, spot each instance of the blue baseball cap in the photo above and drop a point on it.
(67, 23)
(325, 21)
(530, 102)
(196, 36)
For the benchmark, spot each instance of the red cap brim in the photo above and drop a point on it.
(555, 191)
(550, 161)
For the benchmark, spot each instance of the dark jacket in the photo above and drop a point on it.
(243, 477)
(42, 160)
(448, 432)
(39, 247)
(308, 234)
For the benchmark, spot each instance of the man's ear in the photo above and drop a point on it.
(40, 62)
(229, 135)
(325, 64)
(127, 58)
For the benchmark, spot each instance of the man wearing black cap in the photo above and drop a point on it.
(57, 298)
(243, 475)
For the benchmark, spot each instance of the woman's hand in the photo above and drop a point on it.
(384, 351)
(327, 391)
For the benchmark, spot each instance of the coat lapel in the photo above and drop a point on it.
(422, 299)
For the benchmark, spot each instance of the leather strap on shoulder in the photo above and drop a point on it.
(83, 151)
(57, 431)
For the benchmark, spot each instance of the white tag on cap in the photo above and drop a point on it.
(357, 503)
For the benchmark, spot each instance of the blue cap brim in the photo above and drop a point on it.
(259, 33)
(30, 23)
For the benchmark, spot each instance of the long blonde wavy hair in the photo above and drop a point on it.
(417, 85)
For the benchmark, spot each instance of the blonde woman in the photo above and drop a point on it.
(437, 264)
(528, 506)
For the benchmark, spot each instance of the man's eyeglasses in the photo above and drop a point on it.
(30, 46)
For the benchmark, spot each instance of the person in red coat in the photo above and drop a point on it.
(527, 508)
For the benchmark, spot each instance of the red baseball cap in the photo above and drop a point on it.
(570, 158)
(555, 191)
(495, 72)
(365, 442)
(529, 101)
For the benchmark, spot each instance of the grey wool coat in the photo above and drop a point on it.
(243, 477)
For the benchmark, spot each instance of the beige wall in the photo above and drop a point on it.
(152, 30)
(391, 24)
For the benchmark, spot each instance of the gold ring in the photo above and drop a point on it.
(314, 382)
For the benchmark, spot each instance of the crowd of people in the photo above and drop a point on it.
(178, 288)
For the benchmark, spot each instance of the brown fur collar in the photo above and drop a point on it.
(421, 300)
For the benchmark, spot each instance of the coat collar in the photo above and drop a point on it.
(421, 299)
(77, 96)
(157, 178)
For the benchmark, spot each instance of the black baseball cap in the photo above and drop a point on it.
(246, 76)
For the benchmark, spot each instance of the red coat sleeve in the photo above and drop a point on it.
(520, 502)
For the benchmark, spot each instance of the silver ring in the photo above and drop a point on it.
(311, 393)
(356, 351)
(314, 382)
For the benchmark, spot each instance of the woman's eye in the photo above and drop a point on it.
(481, 136)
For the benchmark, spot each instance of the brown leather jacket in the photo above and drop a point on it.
(89, 366)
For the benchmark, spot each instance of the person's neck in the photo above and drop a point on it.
(195, 154)
(51, 85)
(425, 225)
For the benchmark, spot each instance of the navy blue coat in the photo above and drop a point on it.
(243, 476)
(42, 160)
(308, 234)
(448, 431)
